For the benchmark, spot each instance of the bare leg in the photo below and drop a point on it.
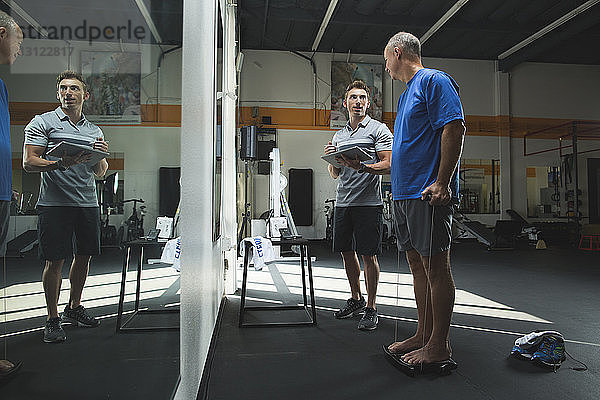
(371, 279)
(352, 266)
(51, 279)
(424, 310)
(77, 277)
(442, 302)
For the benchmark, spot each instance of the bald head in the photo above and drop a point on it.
(408, 42)
(7, 22)
(11, 38)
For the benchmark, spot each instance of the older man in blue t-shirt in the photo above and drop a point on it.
(11, 38)
(428, 138)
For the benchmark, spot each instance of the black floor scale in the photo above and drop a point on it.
(441, 368)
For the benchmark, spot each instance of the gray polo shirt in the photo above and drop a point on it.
(75, 187)
(355, 188)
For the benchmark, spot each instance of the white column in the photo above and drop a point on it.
(228, 202)
(200, 267)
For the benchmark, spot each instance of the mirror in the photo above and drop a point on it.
(544, 188)
(479, 186)
(217, 133)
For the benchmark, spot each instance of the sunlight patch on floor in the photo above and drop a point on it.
(395, 289)
(26, 300)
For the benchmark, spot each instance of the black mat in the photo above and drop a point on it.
(92, 363)
(336, 361)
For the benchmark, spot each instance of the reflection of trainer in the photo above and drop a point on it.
(428, 138)
(67, 202)
(357, 227)
(11, 38)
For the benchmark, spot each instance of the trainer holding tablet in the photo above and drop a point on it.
(358, 219)
(67, 204)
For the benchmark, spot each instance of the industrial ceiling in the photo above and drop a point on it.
(509, 31)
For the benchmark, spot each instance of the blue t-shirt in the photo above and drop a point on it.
(5, 152)
(429, 102)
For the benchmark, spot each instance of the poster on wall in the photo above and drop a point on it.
(342, 74)
(114, 80)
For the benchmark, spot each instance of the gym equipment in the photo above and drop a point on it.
(108, 199)
(329, 209)
(534, 234)
(301, 195)
(133, 227)
(24, 205)
(278, 201)
(388, 236)
(442, 367)
(503, 236)
(243, 232)
(248, 145)
(169, 190)
(18, 246)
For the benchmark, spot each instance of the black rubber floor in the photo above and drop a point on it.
(336, 361)
(92, 363)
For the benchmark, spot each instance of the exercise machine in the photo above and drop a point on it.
(109, 186)
(133, 227)
(24, 242)
(329, 210)
(504, 235)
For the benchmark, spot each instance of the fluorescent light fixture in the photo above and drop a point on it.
(324, 23)
(582, 8)
(239, 61)
(28, 18)
(149, 21)
(449, 14)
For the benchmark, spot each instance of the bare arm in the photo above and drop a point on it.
(33, 161)
(102, 166)
(451, 149)
(333, 171)
(383, 166)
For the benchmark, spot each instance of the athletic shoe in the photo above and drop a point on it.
(352, 307)
(53, 332)
(550, 353)
(79, 317)
(369, 320)
(521, 353)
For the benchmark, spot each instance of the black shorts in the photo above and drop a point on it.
(358, 228)
(56, 226)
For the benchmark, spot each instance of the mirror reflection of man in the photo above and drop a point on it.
(358, 216)
(67, 205)
(11, 38)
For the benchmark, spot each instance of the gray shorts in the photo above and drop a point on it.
(412, 222)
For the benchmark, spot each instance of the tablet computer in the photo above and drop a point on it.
(71, 149)
(351, 152)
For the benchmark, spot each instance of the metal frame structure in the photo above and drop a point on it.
(309, 309)
(591, 130)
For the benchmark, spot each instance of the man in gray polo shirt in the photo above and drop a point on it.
(67, 203)
(358, 220)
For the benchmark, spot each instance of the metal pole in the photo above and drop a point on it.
(493, 197)
(576, 189)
